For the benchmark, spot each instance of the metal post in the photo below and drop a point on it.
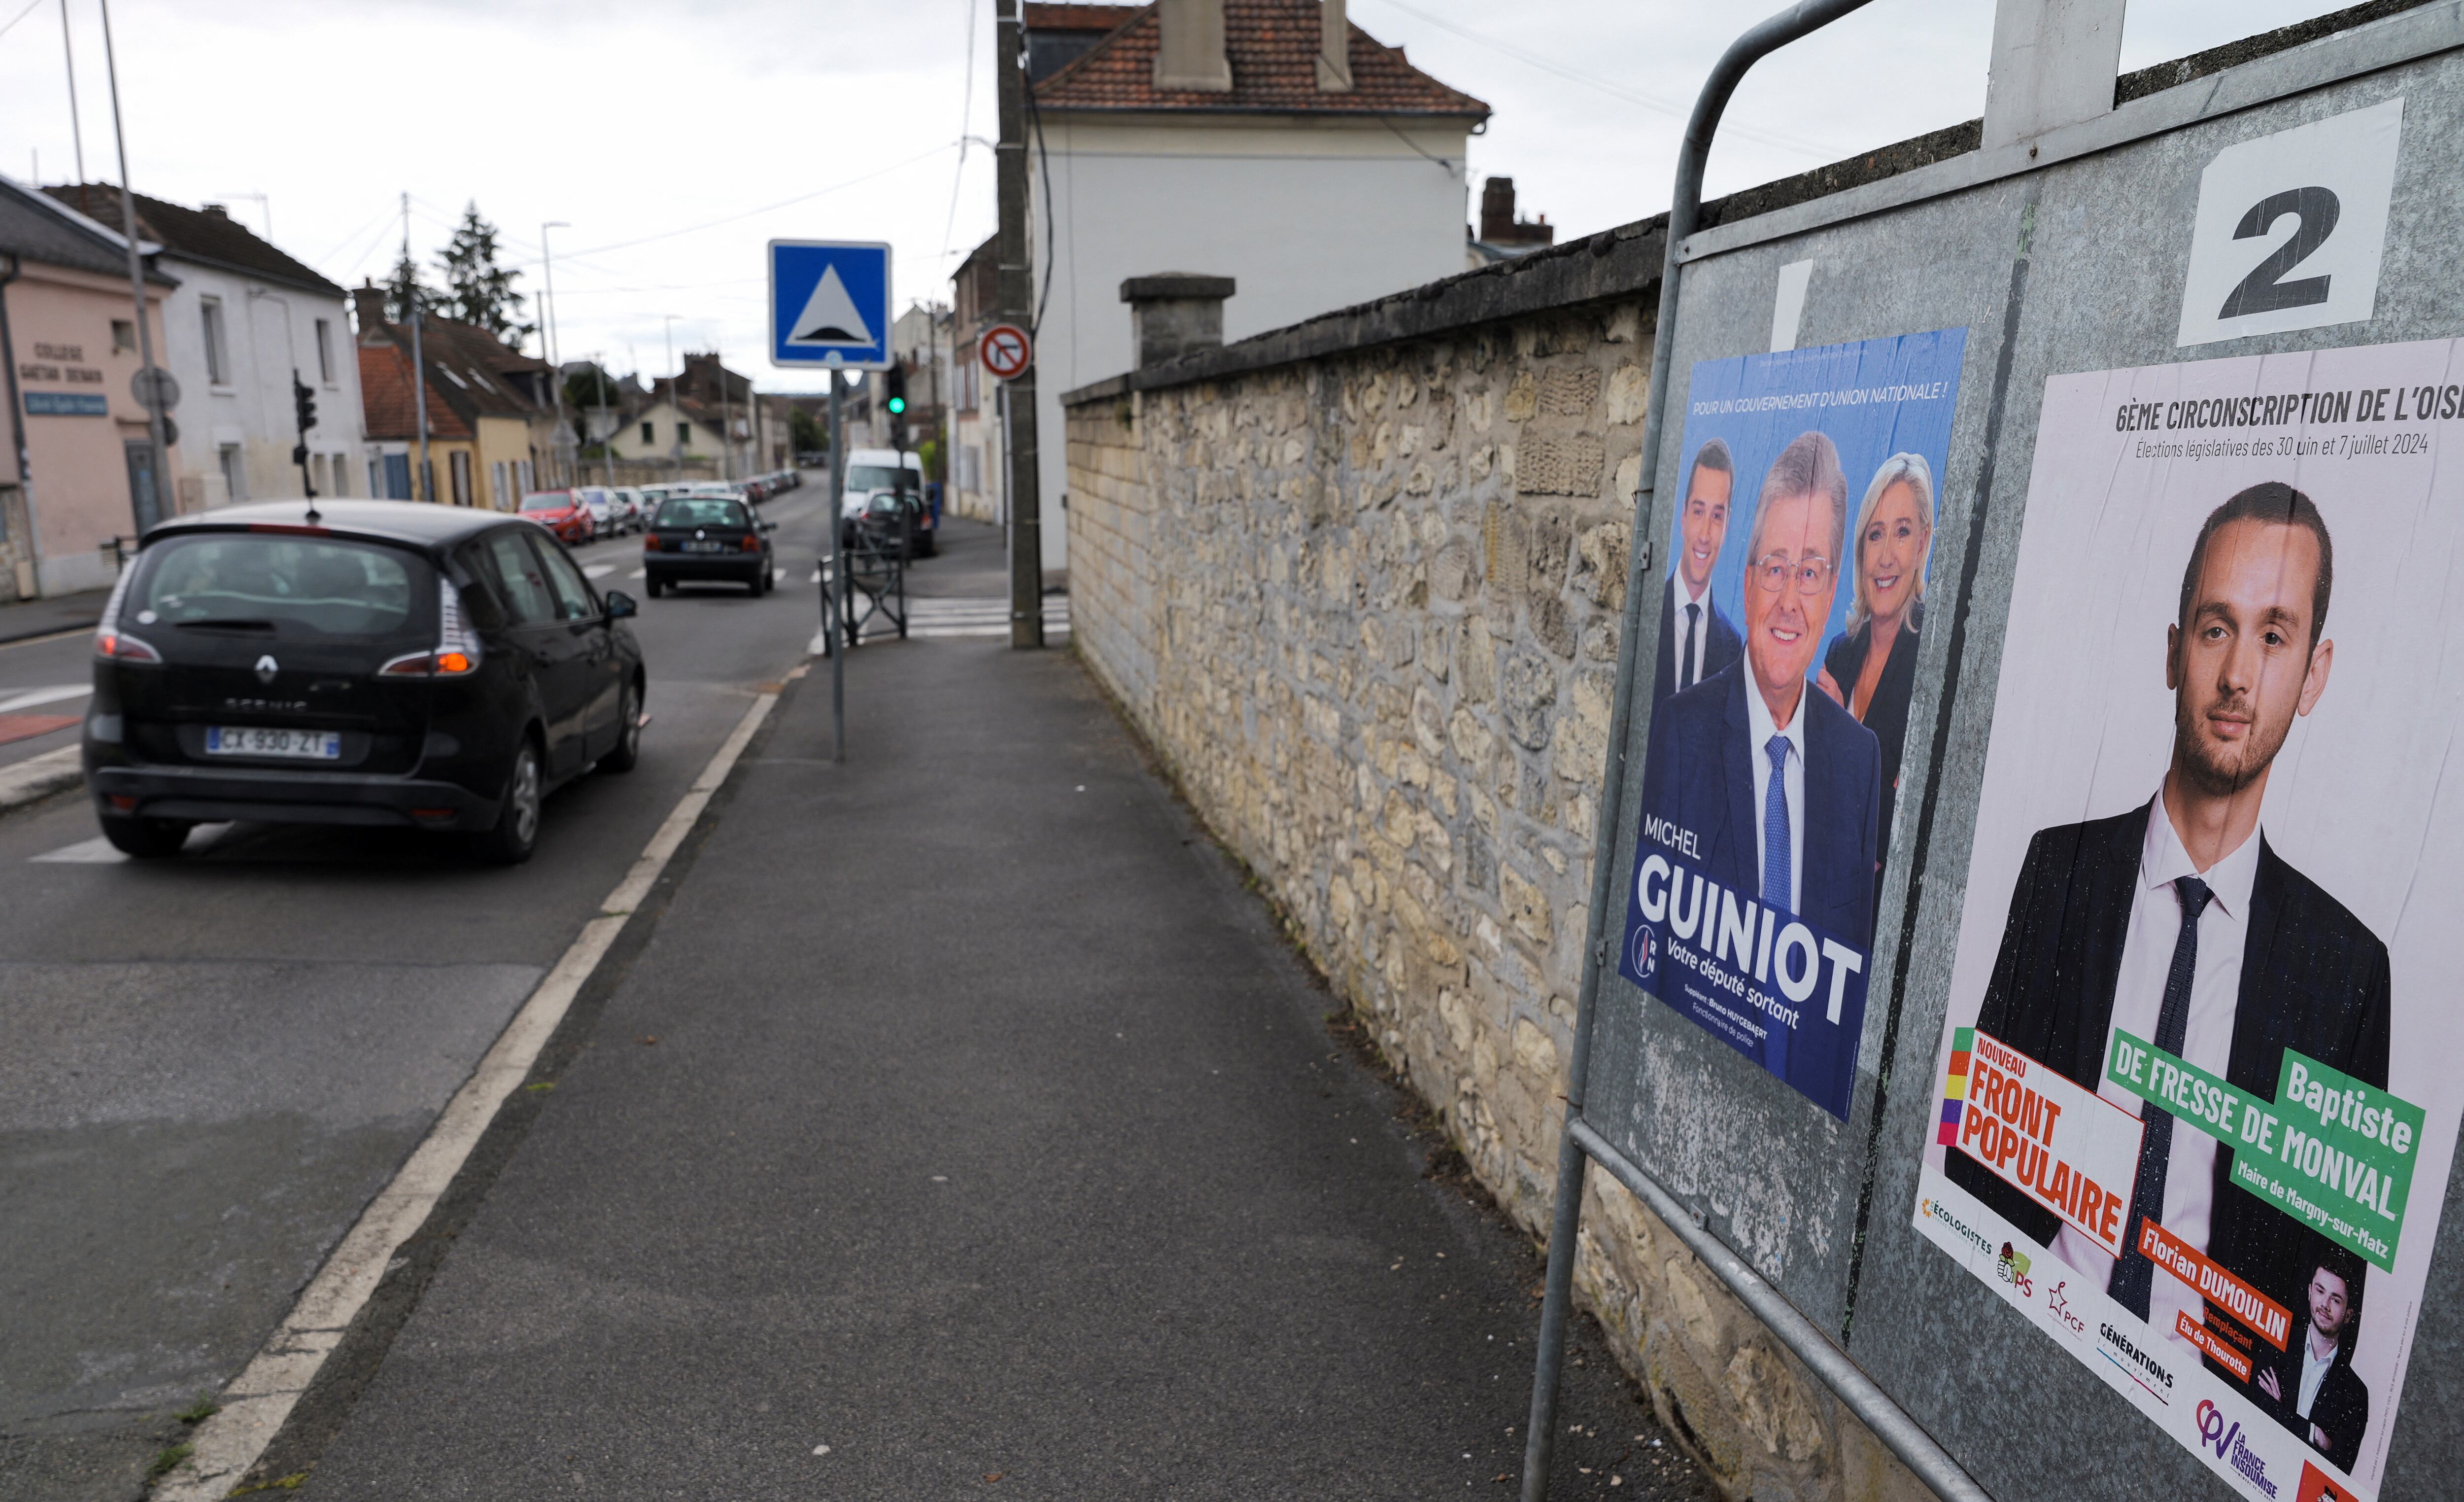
(77, 132)
(547, 265)
(1685, 208)
(833, 579)
(1017, 300)
(137, 285)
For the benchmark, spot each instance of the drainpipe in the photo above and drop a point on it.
(17, 428)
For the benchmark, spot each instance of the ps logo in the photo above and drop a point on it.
(267, 668)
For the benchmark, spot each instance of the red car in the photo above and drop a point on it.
(561, 512)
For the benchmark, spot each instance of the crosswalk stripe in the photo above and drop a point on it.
(28, 698)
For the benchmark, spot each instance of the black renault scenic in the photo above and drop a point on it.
(355, 662)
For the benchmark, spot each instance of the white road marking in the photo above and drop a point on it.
(28, 698)
(99, 850)
(635, 574)
(598, 570)
(257, 1400)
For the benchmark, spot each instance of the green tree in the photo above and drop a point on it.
(477, 289)
(399, 286)
(808, 434)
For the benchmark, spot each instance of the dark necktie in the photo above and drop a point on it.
(1685, 672)
(2133, 1275)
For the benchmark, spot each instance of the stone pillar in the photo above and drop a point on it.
(1174, 311)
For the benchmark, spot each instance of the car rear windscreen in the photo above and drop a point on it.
(878, 476)
(695, 512)
(547, 500)
(256, 581)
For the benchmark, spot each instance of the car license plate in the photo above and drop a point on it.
(315, 745)
(705, 547)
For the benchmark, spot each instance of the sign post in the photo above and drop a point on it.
(830, 308)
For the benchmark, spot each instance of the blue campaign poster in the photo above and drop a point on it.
(1799, 554)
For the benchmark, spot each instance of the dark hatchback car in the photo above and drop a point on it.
(708, 537)
(367, 662)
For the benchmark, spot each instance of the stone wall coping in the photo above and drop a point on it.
(1626, 262)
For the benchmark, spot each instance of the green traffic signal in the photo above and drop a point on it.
(898, 404)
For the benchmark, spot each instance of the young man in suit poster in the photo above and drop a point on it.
(2311, 1386)
(2178, 922)
(1778, 787)
(1695, 639)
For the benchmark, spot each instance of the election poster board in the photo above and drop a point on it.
(2195, 1102)
(1790, 619)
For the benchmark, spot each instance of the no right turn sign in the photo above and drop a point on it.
(1006, 351)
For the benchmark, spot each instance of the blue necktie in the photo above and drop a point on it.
(1685, 673)
(2133, 1276)
(1776, 831)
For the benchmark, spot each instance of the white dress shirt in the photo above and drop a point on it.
(1682, 598)
(2314, 1371)
(2207, 1041)
(1759, 731)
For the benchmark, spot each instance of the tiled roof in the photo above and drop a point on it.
(34, 227)
(1273, 47)
(195, 234)
(385, 398)
(1046, 17)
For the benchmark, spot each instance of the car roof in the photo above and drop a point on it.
(419, 523)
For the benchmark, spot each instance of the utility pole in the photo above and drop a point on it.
(1017, 298)
(547, 261)
(77, 132)
(833, 575)
(607, 441)
(675, 404)
(423, 487)
(162, 465)
(726, 415)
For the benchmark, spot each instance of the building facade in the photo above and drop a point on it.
(80, 480)
(1266, 141)
(491, 421)
(244, 321)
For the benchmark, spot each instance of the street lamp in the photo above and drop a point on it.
(675, 401)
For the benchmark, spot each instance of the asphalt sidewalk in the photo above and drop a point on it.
(964, 1124)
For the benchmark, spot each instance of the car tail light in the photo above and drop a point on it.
(751, 544)
(456, 652)
(109, 640)
(649, 541)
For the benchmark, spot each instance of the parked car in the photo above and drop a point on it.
(561, 512)
(708, 537)
(872, 470)
(630, 514)
(601, 502)
(354, 662)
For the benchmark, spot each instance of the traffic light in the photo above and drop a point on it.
(303, 400)
(894, 384)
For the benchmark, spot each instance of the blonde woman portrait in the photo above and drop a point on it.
(1872, 664)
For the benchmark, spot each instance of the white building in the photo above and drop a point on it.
(244, 318)
(1266, 141)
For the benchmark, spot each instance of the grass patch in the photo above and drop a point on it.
(198, 1412)
(170, 1456)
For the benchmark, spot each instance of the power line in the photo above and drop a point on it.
(29, 9)
(1653, 103)
(966, 116)
(784, 203)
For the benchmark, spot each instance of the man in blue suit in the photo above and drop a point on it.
(1695, 639)
(1780, 788)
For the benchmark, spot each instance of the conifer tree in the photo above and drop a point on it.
(477, 290)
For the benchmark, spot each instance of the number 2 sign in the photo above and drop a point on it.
(2291, 228)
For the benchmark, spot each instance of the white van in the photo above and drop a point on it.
(872, 470)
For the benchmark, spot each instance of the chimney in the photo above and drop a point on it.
(1334, 48)
(1497, 210)
(1173, 312)
(1192, 55)
(218, 211)
(368, 301)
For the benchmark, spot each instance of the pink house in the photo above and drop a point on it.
(75, 474)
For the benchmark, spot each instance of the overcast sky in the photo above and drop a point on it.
(676, 139)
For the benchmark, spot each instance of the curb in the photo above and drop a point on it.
(37, 778)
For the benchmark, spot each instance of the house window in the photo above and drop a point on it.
(217, 355)
(234, 462)
(324, 350)
(683, 435)
(459, 464)
(124, 335)
(649, 434)
(496, 496)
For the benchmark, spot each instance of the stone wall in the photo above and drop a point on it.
(1366, 603)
